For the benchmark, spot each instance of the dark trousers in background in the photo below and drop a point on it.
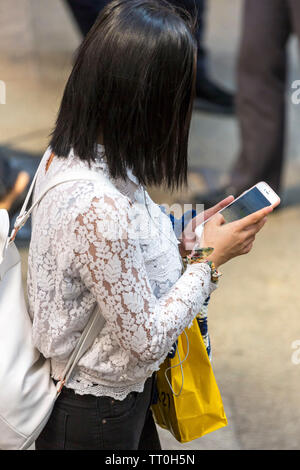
(197, 9)
(86, 12)
(86, 422)
(260, 101)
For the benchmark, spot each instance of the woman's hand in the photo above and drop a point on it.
(234, 238)
(188, 238)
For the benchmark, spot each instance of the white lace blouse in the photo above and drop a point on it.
(110, 244)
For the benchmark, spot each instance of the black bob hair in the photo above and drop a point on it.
(132, 86)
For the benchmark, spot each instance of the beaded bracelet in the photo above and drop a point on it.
(200, 255)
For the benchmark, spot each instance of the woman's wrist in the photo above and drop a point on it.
(200, 256)
(214, 259)
(215, 274)
(208, 266)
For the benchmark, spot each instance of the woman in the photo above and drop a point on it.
(126, 113)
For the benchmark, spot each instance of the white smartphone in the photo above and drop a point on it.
(252, 200)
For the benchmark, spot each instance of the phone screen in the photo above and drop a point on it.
(250, 202)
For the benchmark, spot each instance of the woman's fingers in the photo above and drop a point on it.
(254, 218)
(213, 210)
(207, 214)
(248, 247)
(225, 202)
(256, 227)
(219, 219)
(276, 203)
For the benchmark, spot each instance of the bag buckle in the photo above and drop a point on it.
(60, 385)
(19, 223)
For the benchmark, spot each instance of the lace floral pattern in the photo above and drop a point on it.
(110, 244)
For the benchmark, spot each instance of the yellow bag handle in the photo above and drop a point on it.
(179, 364)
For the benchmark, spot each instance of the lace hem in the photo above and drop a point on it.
(83, 386)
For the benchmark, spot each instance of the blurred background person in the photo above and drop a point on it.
(260, 102)
(210, 96)
(13, 185)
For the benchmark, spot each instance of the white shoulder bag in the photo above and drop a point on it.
(27, 391)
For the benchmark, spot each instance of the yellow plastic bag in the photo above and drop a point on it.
(198, 409)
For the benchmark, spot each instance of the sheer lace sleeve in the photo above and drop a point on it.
(109, 260)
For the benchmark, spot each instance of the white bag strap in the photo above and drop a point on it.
(89, 334)
(30, 191)
(65, 177)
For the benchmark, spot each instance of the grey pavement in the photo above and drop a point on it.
(254, 314)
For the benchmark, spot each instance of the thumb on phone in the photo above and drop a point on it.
(216, 221)
(219, 219)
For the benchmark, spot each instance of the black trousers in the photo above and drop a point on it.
(86, 11)
(86, 422)
(260, 100)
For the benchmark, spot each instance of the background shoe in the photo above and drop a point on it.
(211, 98)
